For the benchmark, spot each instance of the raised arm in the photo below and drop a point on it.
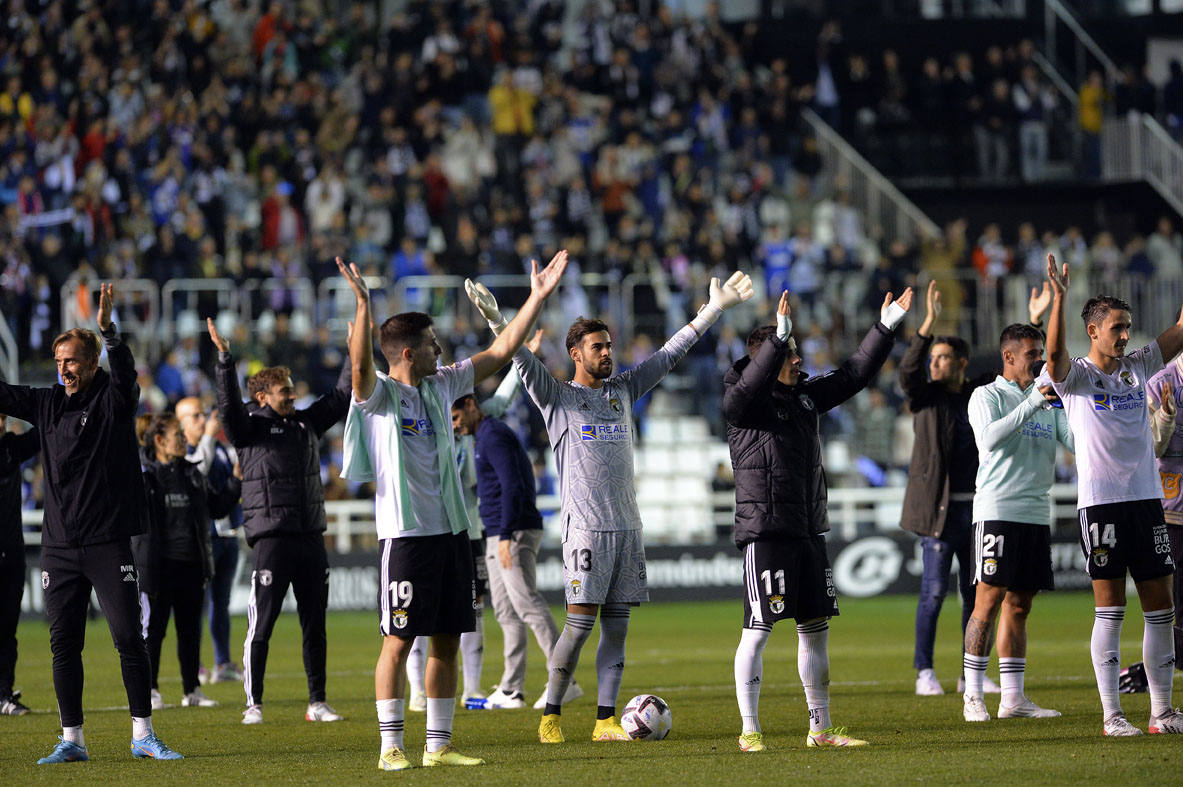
(1162, 416)
(1170, 341)
(234, 414)
(508, 389)
(361, 340)
(119, 357)
(991, 426)
(542, 284)
(1058, 361)
(932, 302)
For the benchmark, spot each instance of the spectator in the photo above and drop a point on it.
(1034, 102)
(1165, 248)
(1091, 115)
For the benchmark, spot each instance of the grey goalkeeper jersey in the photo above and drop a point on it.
(591, 432)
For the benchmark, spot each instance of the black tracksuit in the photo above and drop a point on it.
(14, 451)
(284, 519)
(94, 503)
(175, 557)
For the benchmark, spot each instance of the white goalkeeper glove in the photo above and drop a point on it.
(486, 304)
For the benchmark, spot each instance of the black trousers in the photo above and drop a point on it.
(12, 590)
(1175, 533)
(182, 593)
(68, 575)
(301, 562)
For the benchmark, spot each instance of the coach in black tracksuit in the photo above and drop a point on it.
(283, 512)
(15, 450)
(175, 556)
(94, 503)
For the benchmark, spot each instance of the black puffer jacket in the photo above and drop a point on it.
(181, 504)
(281, 490)
(15, 449)
(772, 431)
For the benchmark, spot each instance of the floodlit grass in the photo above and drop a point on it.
(683, 652)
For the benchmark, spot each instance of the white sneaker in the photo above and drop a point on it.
(320, 711)
(197, 699)
(226, 672)
(157, 700)
(1025, 710)
(253, 715)
(1119, 726)
(927, 684)
(417, 703)
(574, 692)
(1169, 721)
(974, 708)
(499, 699)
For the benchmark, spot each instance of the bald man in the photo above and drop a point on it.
(216, 461)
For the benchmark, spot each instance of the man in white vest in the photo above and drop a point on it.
(398, 434)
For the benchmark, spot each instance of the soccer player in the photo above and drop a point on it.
(938, 500)
(1119, 495)
(283, 514)
(15, 450)
(94, 503)
(398, 434)
(1166, 393)
(1016, 428)
(772, 413)
(589, 421)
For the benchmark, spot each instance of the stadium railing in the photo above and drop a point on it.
(1137, 147)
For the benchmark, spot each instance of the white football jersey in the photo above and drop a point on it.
(1111, 424)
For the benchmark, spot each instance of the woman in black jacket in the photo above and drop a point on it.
(174, 557)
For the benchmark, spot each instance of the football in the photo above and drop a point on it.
(647, 718)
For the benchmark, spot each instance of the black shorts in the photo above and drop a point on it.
(1117, 537)
(1013, 555)
(787, 579)
(480, 571)
(427, 585)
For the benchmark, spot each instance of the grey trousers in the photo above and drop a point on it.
(517, 604)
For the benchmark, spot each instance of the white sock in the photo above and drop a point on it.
(140, 728)
(439, 722)
(417, 666)
(974, 669)
(1011, 672)
(813, 665)
(565, 655)
(74, 735)
(391, 714)
(1106, 651)
(472, 652)
(749, 670)
(1158, 656)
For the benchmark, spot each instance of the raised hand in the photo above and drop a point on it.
(543, 282)
(784, 322)
(106, 305)
(213, 423)
(357, 282)
(736, 290)
(1057, 277)
(782, 306)
(932, 301)
(534, 343)
(1167, 397)
(222, 345)
(892, 312)
(1039, 302)
(483, 300)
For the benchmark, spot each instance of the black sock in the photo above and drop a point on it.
(552, 710)
(605, 712)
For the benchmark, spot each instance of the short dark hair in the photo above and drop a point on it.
(959, 346)
(582, 327)
(463, 400)
(1096, 308)
(1017, 332)
(88, 339)
(262, 380)
(402, 330)
(757, 337)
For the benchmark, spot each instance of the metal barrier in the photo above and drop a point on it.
(137, 311)
(187, 294)
(881, 203)
(1055, 14)
(1137, 147)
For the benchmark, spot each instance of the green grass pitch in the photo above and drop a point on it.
(682, 652)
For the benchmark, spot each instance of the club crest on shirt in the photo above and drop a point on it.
(806, 402)
(614, 403)
(45, 580)
(1127, 378)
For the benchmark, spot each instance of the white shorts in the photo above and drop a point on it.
(604, 567)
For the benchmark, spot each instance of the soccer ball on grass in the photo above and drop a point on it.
(646, 718)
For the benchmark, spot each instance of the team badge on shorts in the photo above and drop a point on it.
(576, 586)
(989, 566)
(265, 577)
(776, 604)
(1101, 557)
(399, 618)
(44, 580)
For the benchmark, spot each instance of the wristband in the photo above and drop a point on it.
(497, 326)
(706, 317)
(784, 327)
(892, 316)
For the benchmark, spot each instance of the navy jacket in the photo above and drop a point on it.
(504, 481)
(94, 491)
